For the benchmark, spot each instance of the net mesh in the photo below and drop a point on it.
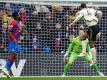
(46, 36)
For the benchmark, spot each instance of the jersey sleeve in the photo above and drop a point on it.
(79, 15)
(71, 45)
(80, 12)
(74, 16)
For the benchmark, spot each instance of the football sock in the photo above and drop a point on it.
(9, 61)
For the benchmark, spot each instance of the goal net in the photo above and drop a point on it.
(46, 35)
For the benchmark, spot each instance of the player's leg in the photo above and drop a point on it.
(93, 50)
(92, 34)
(92, 45)
(9, 63)
(10, 59)
(93, 65)
(83, 34)
(72, 58)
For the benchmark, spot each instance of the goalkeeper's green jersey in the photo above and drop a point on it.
(76, 46)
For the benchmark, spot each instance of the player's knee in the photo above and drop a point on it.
(11, 57)
(92, 44)
(91, 62)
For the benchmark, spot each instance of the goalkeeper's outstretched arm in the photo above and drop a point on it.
(69, 49)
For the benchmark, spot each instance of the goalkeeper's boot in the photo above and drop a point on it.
(100, 74)
(63, 75)
(4, 70)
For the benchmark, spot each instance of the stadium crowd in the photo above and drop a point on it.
(44, 27)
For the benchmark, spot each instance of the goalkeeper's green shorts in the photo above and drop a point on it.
(74, 56)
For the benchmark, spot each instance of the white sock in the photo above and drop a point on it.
(93, 52)
(84, 45)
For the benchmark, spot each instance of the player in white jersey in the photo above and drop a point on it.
(91, 18)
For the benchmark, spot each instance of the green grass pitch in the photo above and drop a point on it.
(56, 78)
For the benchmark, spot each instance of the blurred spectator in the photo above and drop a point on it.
(23, 15)
(1, 6)
(58, 36)
(72, 10)
(7, 6)
(41, 8)
(46, 49)
(25, 37)
(58, 26)
(34, 42)
(44, 9)
(0, 30)
(49, 16)
(6, 19)
(55, 7)
(34, 13)
(14, 7)
(38, 26)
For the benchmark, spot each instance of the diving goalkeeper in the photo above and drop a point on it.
(76, 48)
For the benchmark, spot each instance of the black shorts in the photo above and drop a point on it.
(92, 32)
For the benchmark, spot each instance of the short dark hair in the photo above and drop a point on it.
(15, 15)
(83, 5)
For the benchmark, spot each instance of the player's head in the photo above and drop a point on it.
(82, 33)
(83, 5)
(15, 15)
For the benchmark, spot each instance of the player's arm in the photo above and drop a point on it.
(78, 17)
(69, 50)
(73, 17)
(99, 15)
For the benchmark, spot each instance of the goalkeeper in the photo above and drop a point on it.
(76, 48)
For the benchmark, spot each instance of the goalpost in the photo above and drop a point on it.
(46, 37)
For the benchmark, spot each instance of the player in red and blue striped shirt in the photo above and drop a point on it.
(13, 45)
